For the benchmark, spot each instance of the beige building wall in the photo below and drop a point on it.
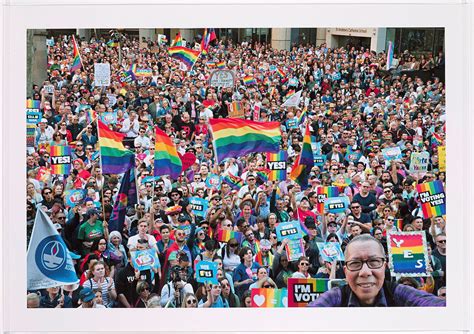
(281, 38)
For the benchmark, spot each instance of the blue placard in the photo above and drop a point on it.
(292, 123)
(392, 153)
(145, 259)
(352, 156)
(206, 272)
(214, 181)
(289, 230)
(315, 145)
(33, 116)
(199, 206)
(109, 117)
(272, 68)
(74, 197)
(330, 251)
(336, 204)
(95, 155)
(319, 160)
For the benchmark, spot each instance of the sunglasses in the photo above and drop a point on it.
(355, 207)
(47, 192)
(191, 301)
(233, 245)
(61, 218)
(304, 264)
(441, 241)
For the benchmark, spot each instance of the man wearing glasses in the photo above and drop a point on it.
(365, 273)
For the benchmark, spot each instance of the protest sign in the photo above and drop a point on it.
(419, 163)
(236, 109)
(33, 117)
(336, 204)
(302, 291)
(126, 77)
(292, 123)
(226, 235)
(442, 158)
(315, 146)
(288, 230)
(74, 197)
(392, 153)
(222, 79)
(60, 157)
(50, 42)
(109, 117)
(102, 75)
(143, 72)
(319, 160)
(256, 111)
(294, 249)
(407, 253)
(269, 298)
(162, 39)
(330, 251)
(213, 181)
(44, 146)
(433, 198)
(30, 135)
(44, 174)
(276, 163)
(112, 99)
(145, 259)
(199, 206)
(323, 193)
(206, 272)
(352, 156)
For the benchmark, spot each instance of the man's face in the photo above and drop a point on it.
(418, 224)
(365, 283)
(165, 234)
(179, 235)
(142, 227)
(247, 210)
(356, 230)
(441, 242)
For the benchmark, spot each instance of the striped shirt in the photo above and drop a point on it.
(91, 283)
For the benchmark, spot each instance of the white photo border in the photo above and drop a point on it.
(20, 16)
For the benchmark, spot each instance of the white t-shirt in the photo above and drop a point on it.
(133, 241)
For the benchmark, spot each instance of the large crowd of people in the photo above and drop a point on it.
(352, 104)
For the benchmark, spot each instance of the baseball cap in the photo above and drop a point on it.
(86, 295)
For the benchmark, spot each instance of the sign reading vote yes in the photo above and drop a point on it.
(199, 206)
(288, 230)
(206, 272)
(336, 204)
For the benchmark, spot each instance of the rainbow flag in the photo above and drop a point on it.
(112, 44)
(143, 72)
(262, 174)
(290, 93)
(115, 158)
(233, 137)
(207, 38)
(276, 163)
(33, 104)
(177, 41)
(211, 64)
(436, 140)
(281, 73)
(133, 68)
(302, 116)
(304, 163)
(76, 62)
(234, 182)
(185, 55)
(60, 157)
(268, 298)
(399, 224)
(127, 196)
(221, 65)
(433, 198)
(167, 161)
(249, 80)
(323, 193)
(225, 236)
(91, 115)
(402, 243)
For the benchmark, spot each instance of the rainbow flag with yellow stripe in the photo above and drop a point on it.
(432, 198)
(76, 57)
(167, 160)
(33, 104)
(304, 162)
(220, 65)
(225, 236)
(249, 80)
(185, 55)
(233, 181)
(115, 158)
(407, 253)
(268, 298)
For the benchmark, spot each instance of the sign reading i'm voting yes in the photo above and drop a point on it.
(206, 272)
(288, 230)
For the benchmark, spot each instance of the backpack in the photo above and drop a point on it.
(388, 288)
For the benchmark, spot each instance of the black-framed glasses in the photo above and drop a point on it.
(47, 192)
(373, 263)
(355, 207)
(441, 241)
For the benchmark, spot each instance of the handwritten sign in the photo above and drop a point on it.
(206, 272)
(199, 206)
(102, 75)
(336, 204)
(392, 153)
(330, 251)
(269, 298)
(407, 253)
(222, 79)
(288, 230)
(419, 163)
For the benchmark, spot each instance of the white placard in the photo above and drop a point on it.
(102, 75)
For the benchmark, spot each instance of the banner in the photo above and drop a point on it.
(293, 100)
(323, 193)
(419, 163)
(256, 112)
(352, 156)
(126, 77)
(199, 206)
(102, 75)
(60, 157)
(289, 230)
(330, 251)
(74, 197)
(392, 153)
(269, 298)
(276, 163)
(206, 272)
(145, 259)
(442, 158)
(109, 117)
(226, 235)
(222, 78)
(49, 263)
(294, 249)
(433, 198)
(30, 135)
(407, 253)
(213, 181)
(336, 204)
(143, 72)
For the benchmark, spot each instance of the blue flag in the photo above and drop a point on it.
(125, 197)
(49, 263)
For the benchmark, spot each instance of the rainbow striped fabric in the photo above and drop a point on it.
(177, 41)
(281, 73)
(323, 193)
(304, 163)
(433, 198)
(262, 174)
(268, 297)
(276, 163)
(225, 236)
(249, 80)
(399, 224)
(235, 109)
(407, 253)
(76, 61)
(112, 44)
(33, 104)
(289, 94)
(91, 115)
(234, 182)
(233, 137)
(436, 140)
(211, 64)
(116, 159)
(185, 55)
(60, 157)
(221, 65)
(207, 38)
(167, 161)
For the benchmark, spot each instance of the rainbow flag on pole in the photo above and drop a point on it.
(167, 161)
(281, 73)
(304, 163)
(177, 41)
(112, 44)
(433, 198)
(407, 253)
(233, 137)
(323, 193)
(127, 196)
(249, 80)
(398, 223)
(276, 163)
(220, 65)
(115, 158)
(233, 181)
(76, 61)
(60, 157)
(185, 55)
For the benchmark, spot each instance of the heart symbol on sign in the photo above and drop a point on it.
(187, 159)
(259, 300)
(284, 301)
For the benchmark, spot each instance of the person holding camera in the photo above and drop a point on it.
(176, 288)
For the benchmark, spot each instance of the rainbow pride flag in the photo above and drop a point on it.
(167, 161)
(262, 174)
(304, 163)
(436, 140)
(235, 109)
(399, 224)
(249, 80)
(33, 104)
(289, 94)
(281, 73)
(433, 198)
(143, 72)
(323, 193)
(302, 116)
(268, 298)
(76, 57)
(233, 137)
(91, 115)
(221, 65)
(233, 181)
(276, 163)
(407, 253)
(115, 158)
(177, 41)
(127, 196)
(60, 157)
(225, 236)
(185, 55)
(211, 64)
(112, 44)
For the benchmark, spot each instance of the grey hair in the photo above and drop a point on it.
(363, 238)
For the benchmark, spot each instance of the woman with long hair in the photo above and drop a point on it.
(97, 279)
